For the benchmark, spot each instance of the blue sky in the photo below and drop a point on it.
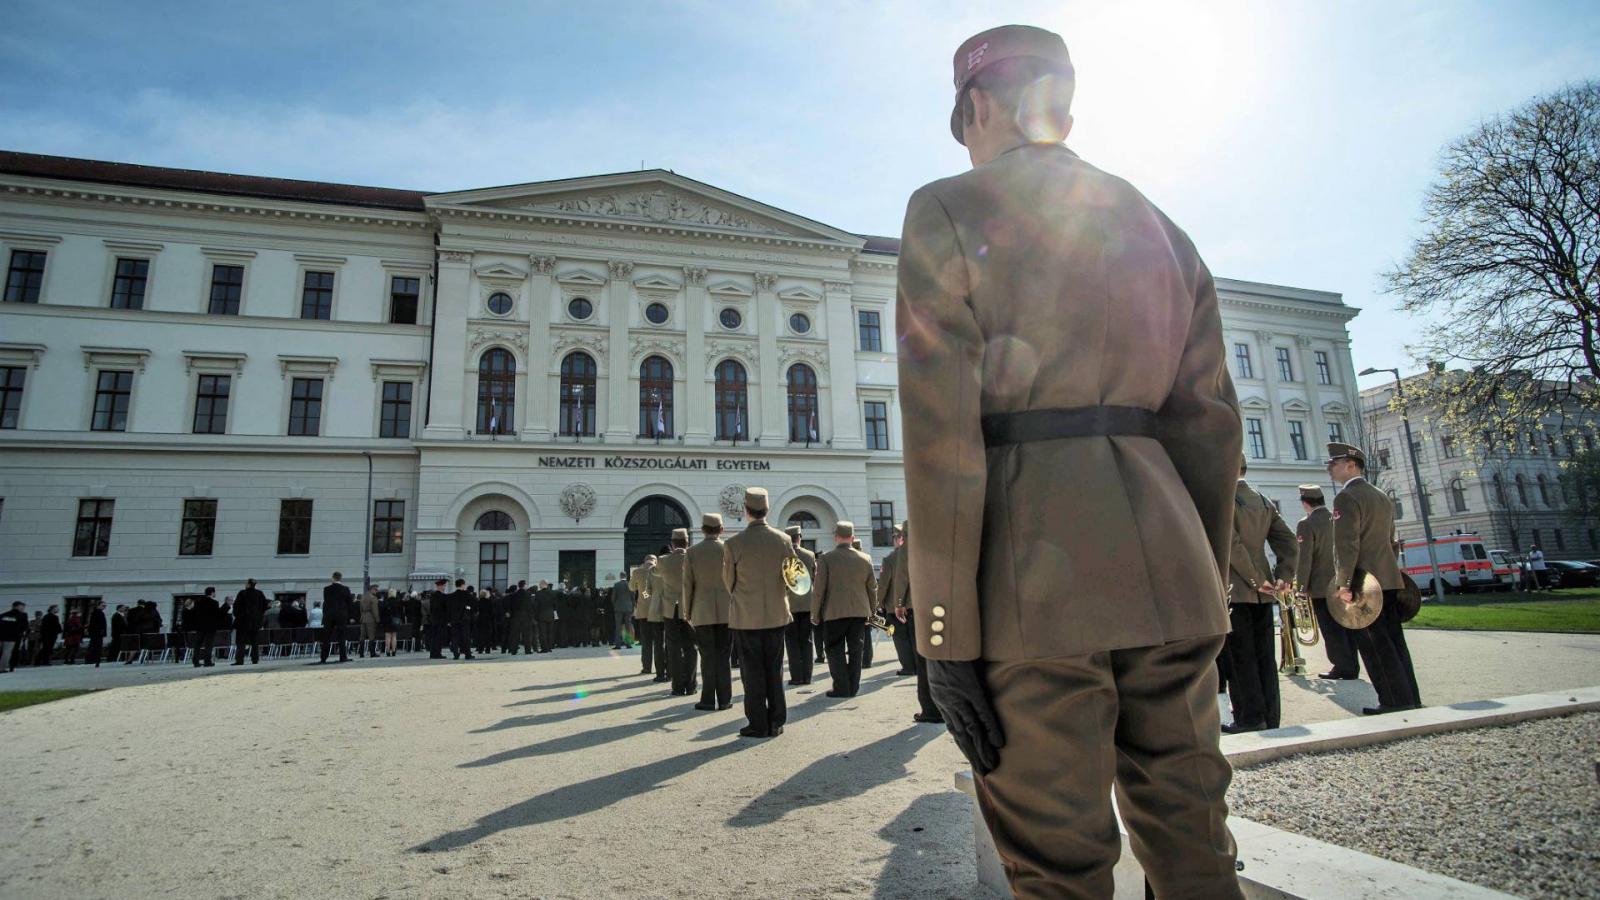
(1292, 139)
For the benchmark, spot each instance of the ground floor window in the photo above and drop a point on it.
(494, 565)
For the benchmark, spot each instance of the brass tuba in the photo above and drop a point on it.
(1297, 628)
(796, 577)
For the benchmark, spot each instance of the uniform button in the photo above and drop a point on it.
(936, 640)
(938, 610)
(937, 626)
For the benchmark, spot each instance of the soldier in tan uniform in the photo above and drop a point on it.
(653, 656)
(666, 593)
(1250, 647)
(752, 571)
(905, 639)
(1313, 576)
(1363, 542)
(705, 600)
(798, 638)
(841, 602)
(1072, 442)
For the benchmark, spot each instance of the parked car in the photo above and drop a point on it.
(1506, 569)
(1566, 573)
(1463, 563)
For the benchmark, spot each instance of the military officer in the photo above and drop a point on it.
(1071, 444)
(652, 639)
(461, 620)
(1250, 648)
(622, 613)
(1313, 576)
(866, 641)
(905, 639)
(666, 598)
(1363, 543)
(928, 712)
(841, 602)
(758, 613)
(438, 618)
(520, 606)
(798, 636)
(656, 621)
(705, 601)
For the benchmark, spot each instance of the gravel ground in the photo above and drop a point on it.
(1515, 808)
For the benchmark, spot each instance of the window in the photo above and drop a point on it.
(1324, 371)
(388, 526)
(1335, 431)
(497, 391)
(800, 323)
(494, 566)
(316, 296)
(1383, 455)
(882, 523)
(305, 407)
(499, 303)
(93, 535)
(1561, 540)
(199, 529)
(494, 520)
(1447, 445)
(1426, 500)
(1572, 445)
(25, 276)
(1544, 491)
(1538, 537)
(1516, 540)
(1257, 438)
(127, 288)
(1594, 539)
(1285, 365)
(580, 308)
(1297, 438)
(732, 400)
(1241, 356)
(227, 286)
(1399, 508)
(211, 405)
(1458, 496)
(870, 329)
(730, 318)
(1522, 491)
(1500, 491)
(1533, 444)
(805, 520)
(802, 404)
(655, 398)
(394, 419)
(578, 373)
(877, 422)
(294, 527)
(112, 391)
(657, 314)
(1416, 448)
(1550, 444)
(404, 294)
(11, 381)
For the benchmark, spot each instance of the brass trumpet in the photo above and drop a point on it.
(878, 622)
(1298, 628)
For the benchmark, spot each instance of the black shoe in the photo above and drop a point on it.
(238, 662)
(1335, 675)
(776, 730)
(749, 732)
(661, 679)
(836, 694)
(706, 707)
(645, 672)
(927, 719)
(905, 672)
(209, 664)
(1236, 728)
(470, 656)
(724, 706)
(1381, 710)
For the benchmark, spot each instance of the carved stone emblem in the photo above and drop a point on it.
(620, 268)
(766, 281)
(481, 336)
(694, 274)
(563, 340)
(747, 351)
(544, 265)
(577, 501)
(657, 206)
(731, 501)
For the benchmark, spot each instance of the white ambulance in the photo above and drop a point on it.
(1464, 563)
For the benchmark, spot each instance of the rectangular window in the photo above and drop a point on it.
(1336, 432)
(877, 419)
(882, 523)
(1324, 371)
(127, 288)
(25, 276)
(1241, 356)
(395, 419)
(871, 330)
(494, 565)
(1594, 539)
(211, 405)
(388, 526)
(112, 392)
(403, 294)
(316, 296)
(1383, 455)
(1285, 364)
(1257, 437)
(1297, 438)
(1537, 537)
(11, 381)
(227, 286)
(294, 527)
(199, 528)
(305, 407)
(1427, 502)
(93, 536)
(1561, 539)
(1447, 446)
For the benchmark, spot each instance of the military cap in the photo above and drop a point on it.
(856, 543)
(756, 499)
(1311, 492)
(1337, 450)
(898, 528)
(792, 531)
(905, 528)
(845, 529)
(441, 581)
(711, 520)
(986, 48)
(680, 534)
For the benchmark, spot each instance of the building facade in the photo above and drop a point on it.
(210, 377)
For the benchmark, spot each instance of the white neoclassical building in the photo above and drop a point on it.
(207, 377)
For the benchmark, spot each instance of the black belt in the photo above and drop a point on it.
(1027, 426)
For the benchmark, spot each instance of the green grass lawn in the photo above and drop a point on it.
(10, 700)
(1574, 610)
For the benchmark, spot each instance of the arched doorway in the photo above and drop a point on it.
(649, 527)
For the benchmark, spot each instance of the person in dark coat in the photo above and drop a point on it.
(336, 605)
(49, 630)
(119, 627)
(13, 630)
(97, 632)
(622, 614)
(413, 610)
(544, 609)
(438, 619)
(391, 613)
(461, 602)
(249, 611)
(72, 638)
(201, 616)
(520, 607)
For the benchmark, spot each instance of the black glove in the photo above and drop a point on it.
(957, 689)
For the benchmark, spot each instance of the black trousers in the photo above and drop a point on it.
(246, 637)
(716, 670)
(866, 644)
(95, 645)
(683, 655)
(905, 642)
(821, 640)
(435, 639)
(844, 642)
(203, 641)
(327, 636)
(1337, 640)
(461, 637)
(798, 637)
(761, 670)
(919, 665)
(521, 635)
(1253, 660)
(658, 647)
(1383, 648)
(547, 636)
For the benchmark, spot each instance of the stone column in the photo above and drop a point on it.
(847, 422)
(694, 414)
(1280, 431)
(774, 410)
(537, 418)
(1318, 425)
(619, 304)
(448, 394)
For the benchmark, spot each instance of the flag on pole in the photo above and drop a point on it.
(494, 417)
(813, 435)
(661, 416)
(738, 423)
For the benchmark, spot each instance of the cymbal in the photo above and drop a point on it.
(1368, 603)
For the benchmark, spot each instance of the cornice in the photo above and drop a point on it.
(628, 226)
(59, 310)
(1338, 313)
(200, 443)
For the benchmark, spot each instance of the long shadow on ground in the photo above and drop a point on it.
(930, 832)
(640, 681)
(799, 711)
(837, 776)
(570, 684)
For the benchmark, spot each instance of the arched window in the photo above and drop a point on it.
(732, 401)
(497, 392)
(655, 398)
(1544, 490)
(1522, 490)
(805, 520)
(803, 425)
(578, 394)
(494, 520)
(1399, 508)
(1458, 496)
(1500, 491)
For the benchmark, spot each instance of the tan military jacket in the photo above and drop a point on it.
(886, 582)
(1313, 568)
(639, 583)
(1037, 281)
(666, 587)
(705, 597)
(1256, 523)
(1363, 535)
(845, 586)
(752, 571)
(802, 602)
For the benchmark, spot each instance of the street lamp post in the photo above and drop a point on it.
(1416, 482)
